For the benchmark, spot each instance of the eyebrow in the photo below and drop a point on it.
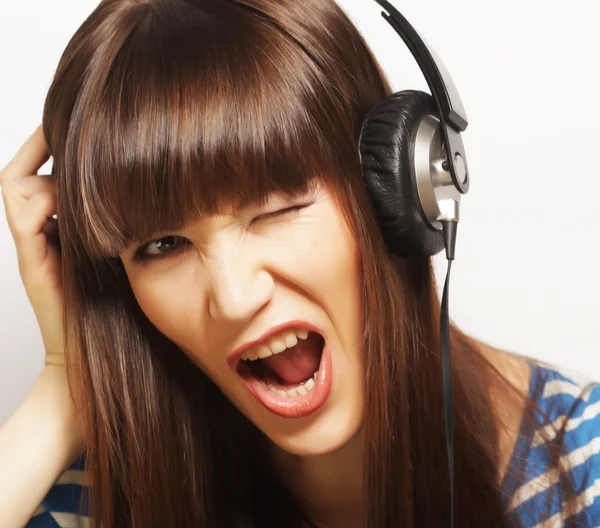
(131, 243)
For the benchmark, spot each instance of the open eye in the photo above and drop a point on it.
(164, 246)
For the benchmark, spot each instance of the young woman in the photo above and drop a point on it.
(229, 342)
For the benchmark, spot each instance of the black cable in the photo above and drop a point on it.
(449, 230)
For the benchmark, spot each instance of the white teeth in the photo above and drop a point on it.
(300, 390)
(309, 384)
(264, 351)
(251, 356)
(290, 339)
(302, 333)
(276, 344)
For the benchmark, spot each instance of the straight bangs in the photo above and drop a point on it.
(192, 111)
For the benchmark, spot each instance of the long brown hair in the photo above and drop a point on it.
(161, 110)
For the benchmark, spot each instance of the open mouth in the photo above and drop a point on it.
(291, 383)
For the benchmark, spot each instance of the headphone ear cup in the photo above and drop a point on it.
(386, 147)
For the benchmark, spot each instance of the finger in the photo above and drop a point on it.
(16, 193)
(27, 186)
(50, 229)
(28, 223)
(32, 244)
(28, 159)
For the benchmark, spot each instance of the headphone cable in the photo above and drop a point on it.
(449, 232)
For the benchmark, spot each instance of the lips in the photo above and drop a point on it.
(234, 357)
(296, 406)
(282, 404)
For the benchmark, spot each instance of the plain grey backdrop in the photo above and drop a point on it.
(526, 271)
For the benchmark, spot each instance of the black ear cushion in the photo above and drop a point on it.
(386, 144)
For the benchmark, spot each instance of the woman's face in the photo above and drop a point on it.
(224, 281)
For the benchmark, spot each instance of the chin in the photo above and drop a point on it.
(327, 431)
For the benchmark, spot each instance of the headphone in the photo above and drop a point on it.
(403, 143)
(415, 170)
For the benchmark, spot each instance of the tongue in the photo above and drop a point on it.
(298, 363)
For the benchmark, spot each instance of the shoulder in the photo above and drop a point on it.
(66, 504)
(566, 421)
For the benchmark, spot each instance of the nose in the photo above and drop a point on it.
(239, 289)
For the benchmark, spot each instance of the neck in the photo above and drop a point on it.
(329, 487)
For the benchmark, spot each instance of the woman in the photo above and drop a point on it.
(240, 348)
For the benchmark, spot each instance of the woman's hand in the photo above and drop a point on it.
(30, 202)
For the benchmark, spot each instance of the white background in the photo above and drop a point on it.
(526, 271)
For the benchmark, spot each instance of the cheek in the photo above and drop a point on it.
(332, 269)
(166, 305)
(336, 260)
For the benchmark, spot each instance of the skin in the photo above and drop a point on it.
(239, 275)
